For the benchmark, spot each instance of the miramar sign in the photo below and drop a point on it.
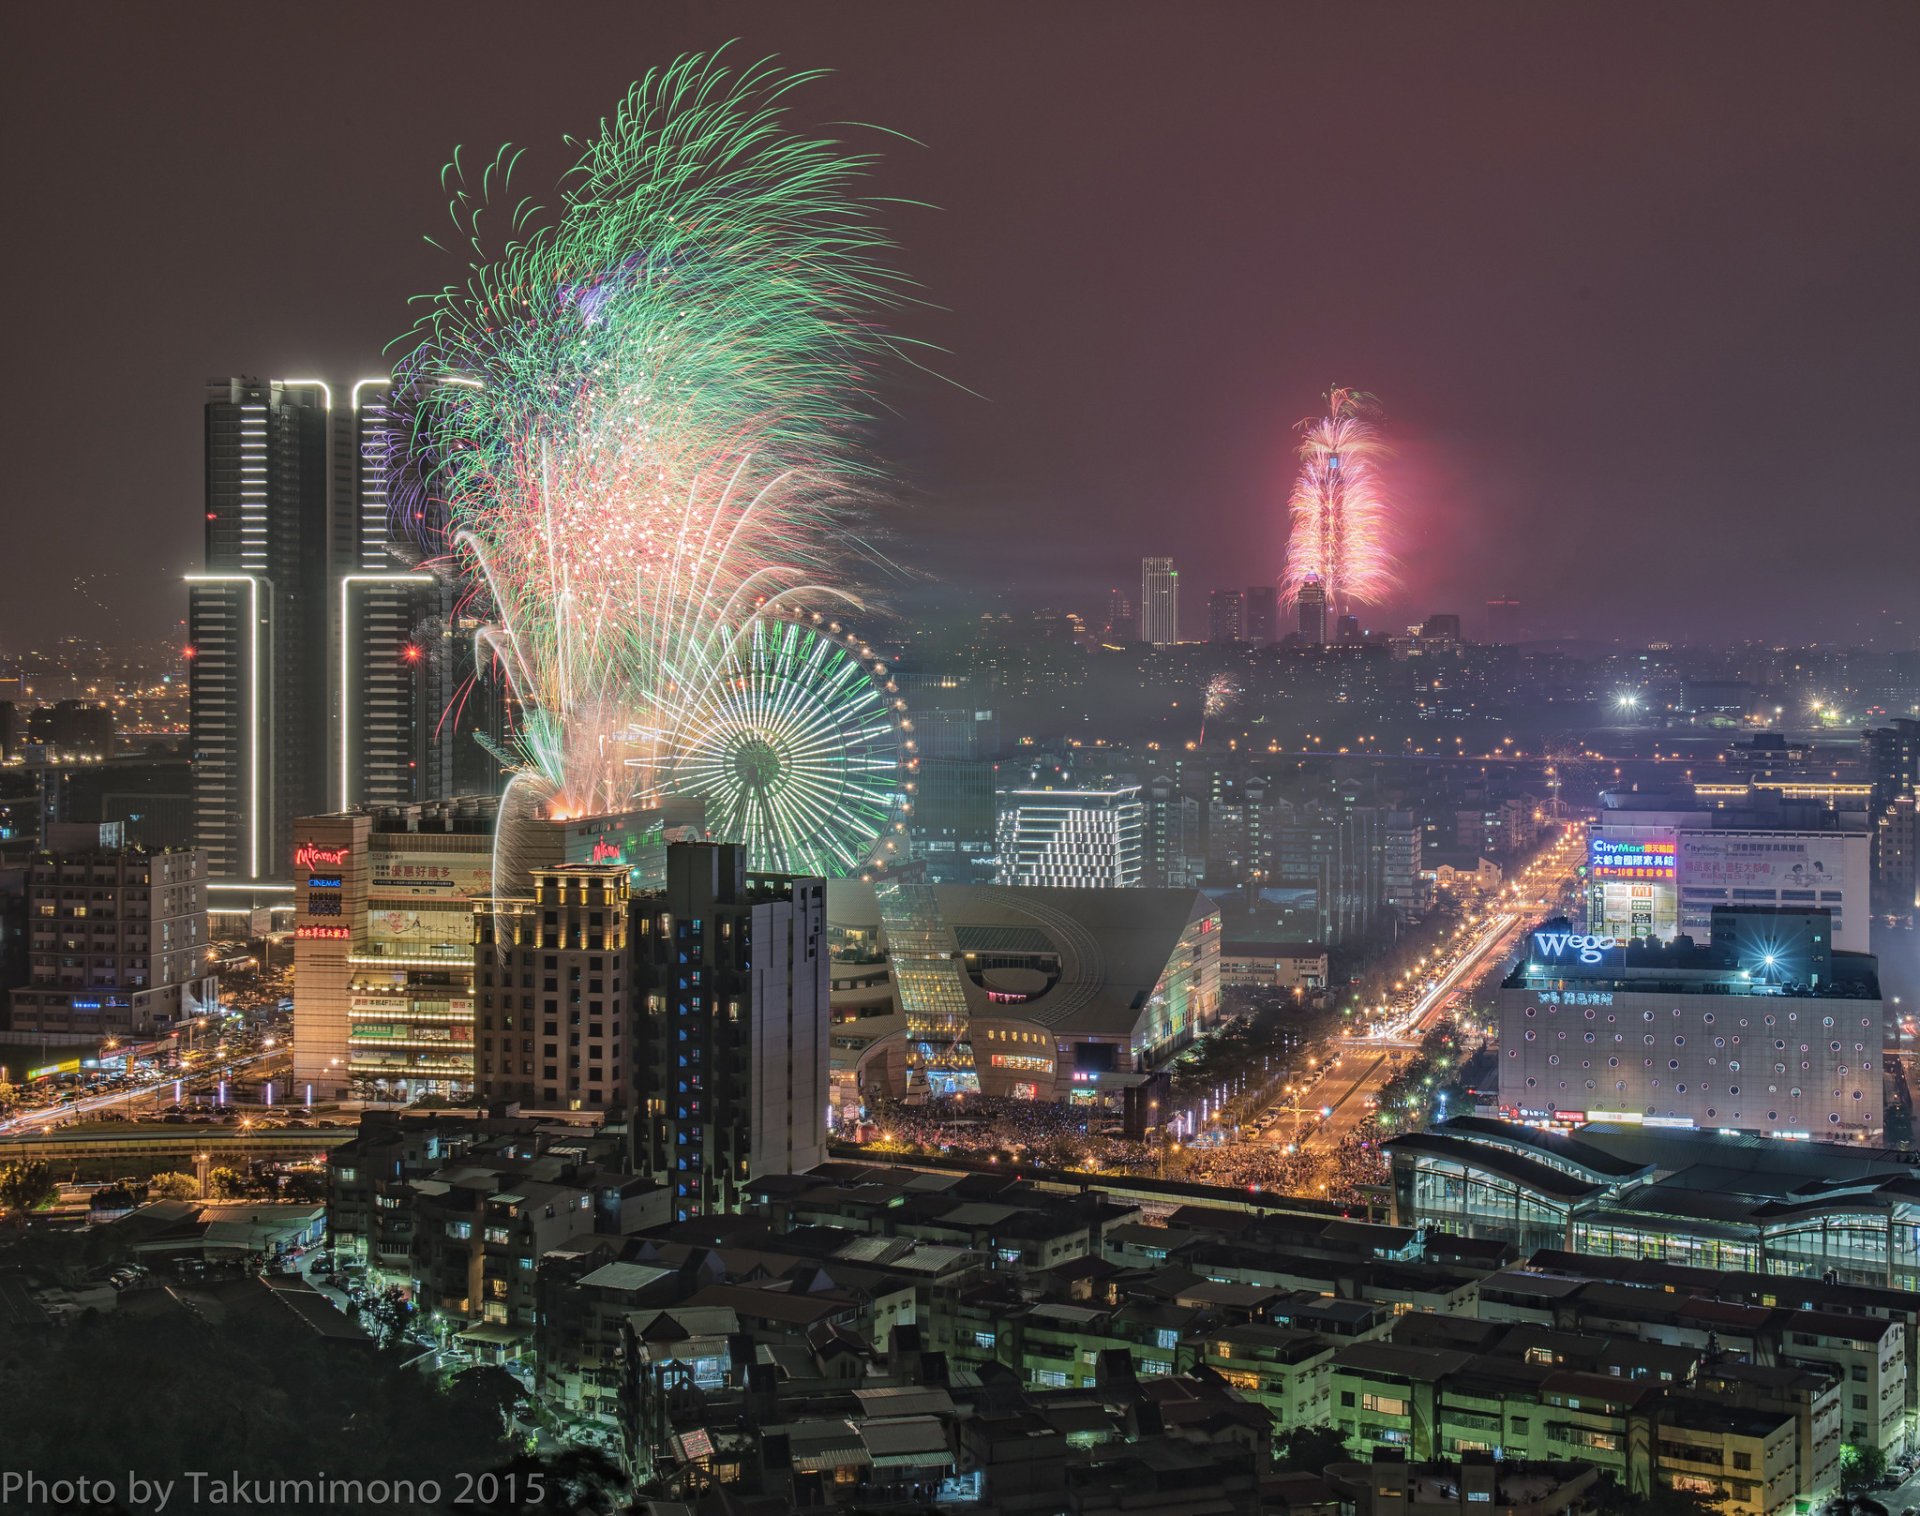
(1554, 946)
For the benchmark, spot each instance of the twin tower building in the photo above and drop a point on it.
(614, 966)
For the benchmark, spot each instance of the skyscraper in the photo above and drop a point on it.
(327, 669)
(1263, 613)
(1159, 602)
(1123, 621)
(258, 624)
(1312, 604)
(1226, 616)
(380, 710)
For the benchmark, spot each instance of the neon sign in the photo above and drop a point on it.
(1630, 860)
(310, 855)
(323, 931)
(1554, 946)
(605, 852)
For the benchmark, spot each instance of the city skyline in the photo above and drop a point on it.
(1606, 332)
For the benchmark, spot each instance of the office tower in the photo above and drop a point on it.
(1159, 602)
(733, 968)
(1227, 616)
(381, 713)
(258, 624)
(1348, 629)
(1312, 608)
(1123, 620)
(1503, 621)
(1809, 1058)
(1263, 613)
(116, 938)
(1071, 837)
(1441, 627)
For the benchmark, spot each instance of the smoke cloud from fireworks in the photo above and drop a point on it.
(635, 420)
(1341, 518)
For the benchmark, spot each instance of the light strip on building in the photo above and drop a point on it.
(346, 663)
(321, 385)
(253, 583)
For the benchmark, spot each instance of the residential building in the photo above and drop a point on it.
(116, 938)
(732, 968)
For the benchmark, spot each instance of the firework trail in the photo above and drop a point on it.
(633, 422)
(1223, 691)
(1340, 514)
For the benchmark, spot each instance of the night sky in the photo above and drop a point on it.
(1636, 284)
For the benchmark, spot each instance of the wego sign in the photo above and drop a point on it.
(1553, 946)
(310, 855)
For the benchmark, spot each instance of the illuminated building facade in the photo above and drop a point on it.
(1071, 837)
(1763, 1028)
(1664, 870)
(383, 948)
(258, 624)
(1159, 602)
(384, 933)
(1704, 1200)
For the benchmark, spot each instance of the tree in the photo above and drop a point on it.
(1861, 1468)
(384, 1316)
(225, 1183)
(304, 1184)
(24, 1185)
(173, 1186)
(1609, 1497)
(1308, 1450)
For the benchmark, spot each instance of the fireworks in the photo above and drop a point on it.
(1222, 692)
(634, 421)
(1340, 515)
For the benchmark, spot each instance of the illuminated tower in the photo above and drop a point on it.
(1341, 521)
(381, 710)
(1159, 602)
(257, 624)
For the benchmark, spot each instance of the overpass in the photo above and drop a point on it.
(123, 1146)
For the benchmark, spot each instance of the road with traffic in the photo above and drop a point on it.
(1322, 1114)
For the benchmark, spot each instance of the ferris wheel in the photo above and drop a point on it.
(800, 746)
